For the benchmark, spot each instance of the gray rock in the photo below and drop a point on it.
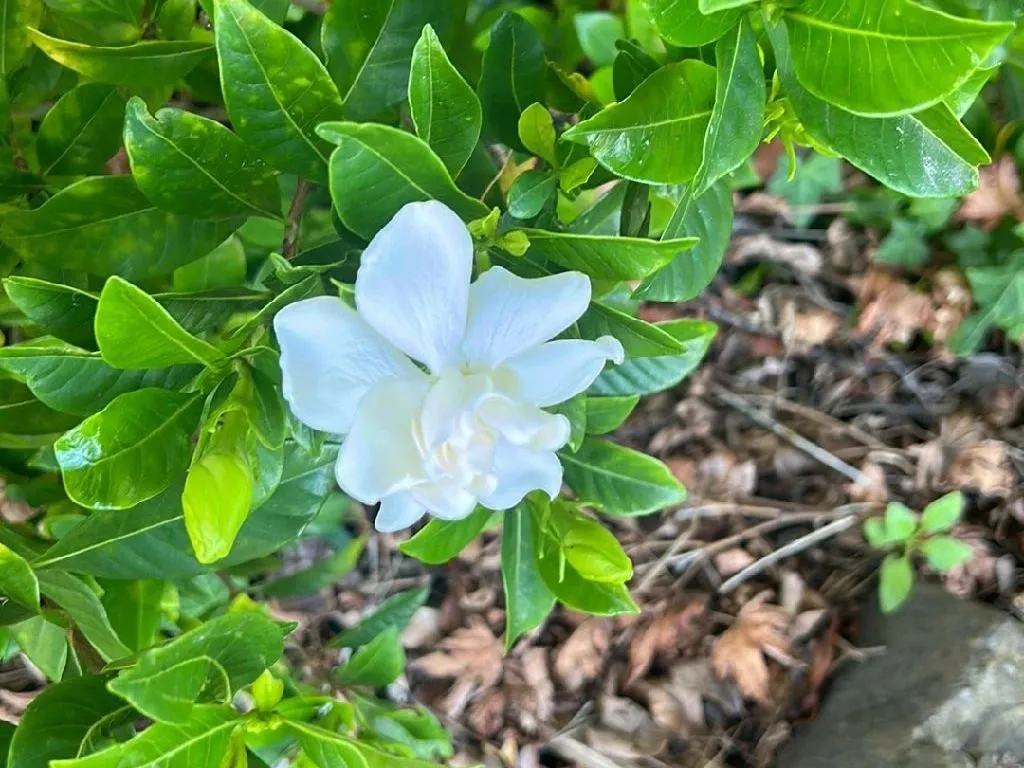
(947, 693)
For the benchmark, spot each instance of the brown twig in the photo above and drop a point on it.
(292, 225)
(681, 541)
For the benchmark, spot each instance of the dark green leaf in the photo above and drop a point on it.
(116, 22)
(528, 601)
(512, 78)
(395, 612)
(22, 414)
(63, 310)
(81, 131)
(529, 193)
(134, 610)
(606, 258)
(223, 267)
(441, 540)
(378, 663)
(84, 608)
(606, 414)
(18, 582)
(904, 246)
(815, 177)
(681, 22)
(654, 374)
(16, 17)
(638, 338)
(632, 66)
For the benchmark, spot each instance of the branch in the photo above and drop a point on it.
(292, 224)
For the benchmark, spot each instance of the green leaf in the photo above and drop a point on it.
(715, 6)
(1000, 293)
(737, 119)
(709, 218)
(529, 193)
(325, 572)
(22, 414)
(638, 338)
(944, 553)
(606, 414)
(134, 610)
(528, 601)
(370, 46)
(575, 410)
(654, 374)
(267, 691)
(875, 533)
(223, 267)
(377, 169)
(597, 32)
(926, 154)
(655, 134)
(537, 132)
(79, 602)
(895, 580)
(208, 663)
(445, 110)
(803, 188)
(378, 663)
(904, 246)
(114, 22)
(145, 64)
(16, 17)
(203, 740)
(217, 500)
(130, 451)
(61, 721)
(900, 522)
(193, 166)
(106, 226)
(512, 77)
(943, 513)
(873, 58)
(441, 540)
(134, 331)
(18, 582)
(633, 64)
(266, 411)
(45, 644)
(327, 749)
(81, 131)
(75, 381)
(63, 310)
(395, 612)
(620, 481)
(595, 553)
(682, 22)
(606, 258)
(275, 88)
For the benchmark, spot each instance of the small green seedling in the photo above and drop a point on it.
(902, 534)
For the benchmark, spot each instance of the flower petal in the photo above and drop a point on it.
(509, 314)
(447, 501)
(413, 282)
(525, 425)
(520, 471)
(398, 511)
(451, 396)
(555, 371)
(329, 358)
(380, 456)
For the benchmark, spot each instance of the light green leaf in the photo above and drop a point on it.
(595, 553)
(217, 500)
(208, 663)
(682, 22)
(943, 513)
(223, 267)
(654, 135)
(512, 78)
(895, 580)
(134, 609)
(708, 7)
(875, 533)
(900, 522)
(193, 166)
(395, 612)
(45, 644)
(266, 693)
(944, 553)
(606, 258)
(377, 169)
(597, 32)
(275, 88)
(445, 110)
(81, 131)
(441, 540)
(737, 119)
(203, 740)
(528, 601)
(130, 451)
(79, 602)
(322, 574)
(145, 64)
(378, 663)
(638, 338)
(709, 218)
(537, 132)
(529, 193)
(16, 17)
(106, 226)
(620, 481)
(889, 58)
(18, 582)
(134, 331)
(606, 414)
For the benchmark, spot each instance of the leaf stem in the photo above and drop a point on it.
(290, 244)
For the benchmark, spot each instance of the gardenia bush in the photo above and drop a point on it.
(255, 252)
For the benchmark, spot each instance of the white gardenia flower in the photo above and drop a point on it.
(467, 427)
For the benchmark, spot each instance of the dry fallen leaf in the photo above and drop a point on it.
(423, 629)
(891, 310)
(985, 466)
(667, 636)
(581, 657)
(962, 457)
(732, 561)
(472, 657)
(677, 704)
(530, 694)
(997, 195)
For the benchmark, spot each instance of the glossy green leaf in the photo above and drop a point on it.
(890, 58)
(208, 663)
(45, 644)
(632, 66)
(275, 88)
(22, 414)
(84, 608)
(395, 612)
(529, 193)
(18, 582)
(75, 381)
(708, 7)
(377, 169)
(597, 32)
(445, 110)
(528, 601)
(327, 749)
(322, 574)
(145, 64)
(537, 132)
(656, 134)
(655, 374)
(60, 721)
(441, 540)
(134, 610)
(266, 410)
(682, 22)
(606, 258)
(134, 331)
(81, 131)
(378, 663)
(217, 499)
(63, 310)
(106, 226)
(895, 581)
(737, 119)
(193, 166)
(512, 77)
(638, 338)
(606, 414)
(117, 22)
(944, 553)
(16, 17)
(620, 481)
(595, 553)
(943, 513)
(223, 267)
(203, 740)
(130, 451)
